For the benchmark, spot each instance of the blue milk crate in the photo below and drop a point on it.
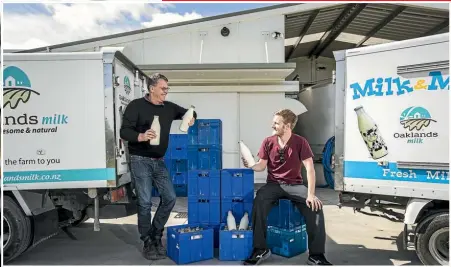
(179, 152)
(178, 165)
(193, 134)
(178, 140)
(204, 183)
(238, 207)
(168, 162)
(235, 245)
(287, 243)
(189, 247)
(179, 178)
(209, 132)
(202, 210)
(215, 228)
(205, 157)
(181, 190)
(284, 215)
(237, 183)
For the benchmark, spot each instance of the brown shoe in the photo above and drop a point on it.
(161, 250)
(150, 252)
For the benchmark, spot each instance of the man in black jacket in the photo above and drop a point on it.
(146, 161)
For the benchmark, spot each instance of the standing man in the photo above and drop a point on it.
(284, 153)
(146, 161)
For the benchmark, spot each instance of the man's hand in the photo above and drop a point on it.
(191, 122)
(314, 203)
(148, 135)
(245, 163)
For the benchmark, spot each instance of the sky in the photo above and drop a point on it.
(28, 26)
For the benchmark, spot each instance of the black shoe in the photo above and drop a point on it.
(160, 248)
(150, 251)
(258, 256)
(318, 260)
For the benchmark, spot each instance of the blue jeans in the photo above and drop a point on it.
(145, 173)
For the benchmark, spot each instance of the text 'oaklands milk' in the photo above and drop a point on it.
(371, 134)
(186, 119)
(246, 154)
(157, 128)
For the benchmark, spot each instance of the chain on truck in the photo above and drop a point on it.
(64, 161)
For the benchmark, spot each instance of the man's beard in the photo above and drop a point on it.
(275, 132)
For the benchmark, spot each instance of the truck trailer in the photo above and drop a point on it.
(386, 114)
(63, 158)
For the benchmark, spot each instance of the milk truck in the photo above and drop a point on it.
(63, 158)
(392, 138)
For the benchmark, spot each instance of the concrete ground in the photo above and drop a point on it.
(353, 239)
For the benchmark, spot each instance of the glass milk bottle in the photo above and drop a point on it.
(371, 134)
(156, 127)
(246, 154)
(186, 119)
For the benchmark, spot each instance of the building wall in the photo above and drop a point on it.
(239, 122)
(202, 43)
(311, 71)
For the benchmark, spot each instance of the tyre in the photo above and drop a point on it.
(432, 240)
(84, 217)
(16, 230)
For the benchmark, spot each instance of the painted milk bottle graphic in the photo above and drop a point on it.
(371, 134)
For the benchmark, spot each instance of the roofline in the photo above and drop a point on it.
(217, 66)
(122, 34)
(432, 6)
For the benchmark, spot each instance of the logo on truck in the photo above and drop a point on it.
(127, 87)
(16, 87)
(415, 120)
(395, 86)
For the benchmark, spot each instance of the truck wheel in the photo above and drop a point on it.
(16, 230)
(432, 244)
(84, 217)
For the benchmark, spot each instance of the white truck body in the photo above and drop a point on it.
(397, 83)
(63, 158)
(398, 157)
(62, 115)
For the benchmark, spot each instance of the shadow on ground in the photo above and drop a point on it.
(118, 244)
(357, 240)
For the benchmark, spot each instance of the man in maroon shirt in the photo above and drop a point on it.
(284, 153)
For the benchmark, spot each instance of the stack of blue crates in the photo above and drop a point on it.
(211, 190)
(204, 175)
(286, 233)
(237, 195)
(237, 192)
(176, 160)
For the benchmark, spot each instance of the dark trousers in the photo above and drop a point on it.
(263, 203)
(147, 172)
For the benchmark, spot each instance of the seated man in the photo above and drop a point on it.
(283, 153)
